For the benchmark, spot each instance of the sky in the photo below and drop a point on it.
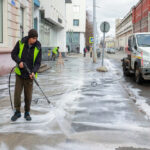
(110, 10)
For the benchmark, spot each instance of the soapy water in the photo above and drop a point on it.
(64, 125)
(56, 113)
(48, 120)
(52, 121)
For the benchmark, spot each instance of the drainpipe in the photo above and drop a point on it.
(32, 13)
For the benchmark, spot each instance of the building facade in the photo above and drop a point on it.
(36, 15)
(124, 28)
(17, 17)
(53, 23)
(141, 16)
(50, 21)
(137, 20)
(110, 42)
(15, 21)
(76, 25)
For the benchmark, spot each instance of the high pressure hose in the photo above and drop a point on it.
(26, 67)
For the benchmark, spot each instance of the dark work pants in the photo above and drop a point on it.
(27, 85)
(53, 56)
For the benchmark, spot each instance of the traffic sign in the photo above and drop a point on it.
(105, 27)
(91, 40)
(13, 2)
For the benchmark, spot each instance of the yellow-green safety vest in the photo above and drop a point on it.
(21, 47)
(55, 50)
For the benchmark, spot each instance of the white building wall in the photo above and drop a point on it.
(61, 42)
(55, 9)
(82, 42)
(45, 34)
(53, 37)
(81, 16)
(70, 15)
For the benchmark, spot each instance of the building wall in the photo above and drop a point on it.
(37, 16)
(81, 15)
(54, 9)
(53, 36)
(82, 42)
(55, 14)
(140, 23)
(140, 16)
(76, 10)
(124, 28)
(110, 42)
(11, 29)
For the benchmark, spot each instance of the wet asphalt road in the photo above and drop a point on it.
(143, 88)
(93, 111)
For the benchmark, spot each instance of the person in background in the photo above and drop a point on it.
(55, 51)
(91, 51)
(85, 51)
(88, 48)
(78, 50)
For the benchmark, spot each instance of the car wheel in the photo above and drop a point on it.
(126, 71)
(138, 76)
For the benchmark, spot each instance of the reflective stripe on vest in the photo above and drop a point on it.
(21, 47)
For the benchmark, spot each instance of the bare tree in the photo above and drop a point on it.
(89, 29)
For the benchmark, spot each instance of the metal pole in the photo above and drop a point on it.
(94, 30)
(103, 49)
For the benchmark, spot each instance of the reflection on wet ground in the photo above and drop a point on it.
(86, 117)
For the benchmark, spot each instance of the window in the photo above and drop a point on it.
(76, 22)
(76, 9)
(76, 37)
(73, 37)
(1, 21)
(143, 40)
(36, 24)
(21, 22)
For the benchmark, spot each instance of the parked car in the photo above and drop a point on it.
(98, 50)
(111, 50)
(108, 50)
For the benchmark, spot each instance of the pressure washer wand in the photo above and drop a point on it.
(28, 70)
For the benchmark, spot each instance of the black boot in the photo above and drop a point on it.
(16, 116)
(27, 116)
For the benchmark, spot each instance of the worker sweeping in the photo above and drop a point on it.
(26, 51)
(55, 51)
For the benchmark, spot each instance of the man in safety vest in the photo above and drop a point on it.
(55, 51)
(28, 51)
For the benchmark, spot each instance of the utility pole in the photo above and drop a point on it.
(94, 31)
